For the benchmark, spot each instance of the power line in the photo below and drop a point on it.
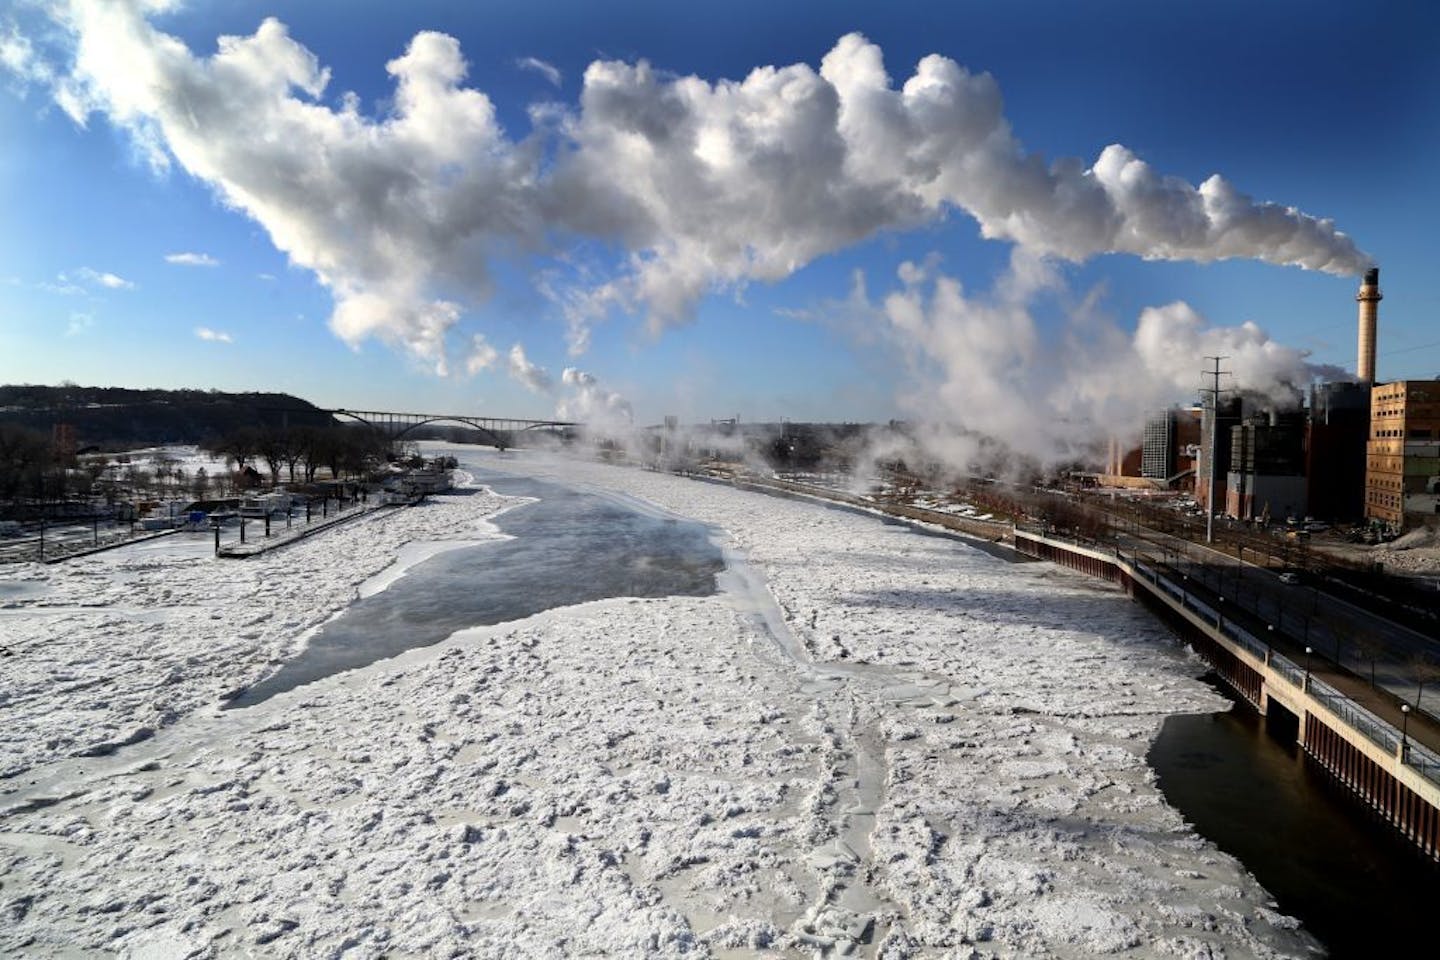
(1421, 346)
(1213, 395)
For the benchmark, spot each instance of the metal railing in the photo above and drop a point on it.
(1356, 717)
(1288, 670)
(1416, 756)
(1352, 714)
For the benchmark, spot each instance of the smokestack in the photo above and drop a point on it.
(1369, 299)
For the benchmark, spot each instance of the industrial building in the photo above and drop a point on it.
(1338, 429)
(1402, 464)
(1402, 456)
(1220, 421)
(1165, 458)
(1267, 467)
(1171, 444)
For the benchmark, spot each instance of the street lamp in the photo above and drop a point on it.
(1269, 640)
(1308, 651)
(1404, 731)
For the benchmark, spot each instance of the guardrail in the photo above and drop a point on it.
(1351, 713)
(1384, 735)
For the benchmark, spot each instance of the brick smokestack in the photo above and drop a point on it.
(1369, 299)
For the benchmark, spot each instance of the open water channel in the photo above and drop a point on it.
(564, 548)
(1357, 887)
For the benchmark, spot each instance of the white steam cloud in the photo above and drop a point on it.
(528, 374)
(482, 356)
(704, 185)
(979, 361)
(589, 403)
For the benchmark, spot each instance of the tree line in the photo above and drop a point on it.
(36, 473)
(301, 452)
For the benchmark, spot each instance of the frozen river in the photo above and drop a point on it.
(865, 743)
(560, 547)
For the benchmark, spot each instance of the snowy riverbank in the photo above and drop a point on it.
(913, 749)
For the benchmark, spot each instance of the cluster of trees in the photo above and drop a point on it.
(30, 467)
(301, 452)
(36, 474)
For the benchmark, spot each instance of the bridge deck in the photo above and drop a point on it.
(397, 423)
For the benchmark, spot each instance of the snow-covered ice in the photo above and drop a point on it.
(870, 743)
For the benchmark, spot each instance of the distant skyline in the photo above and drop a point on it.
(418, 206)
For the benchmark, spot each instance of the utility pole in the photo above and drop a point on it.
(1213, 404)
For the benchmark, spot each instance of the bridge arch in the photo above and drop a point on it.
(397, 425)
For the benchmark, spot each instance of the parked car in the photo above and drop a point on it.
(1289, 576)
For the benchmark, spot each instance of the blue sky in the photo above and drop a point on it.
(1329, 108)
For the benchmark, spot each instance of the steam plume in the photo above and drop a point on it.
(592, 404)
(976, 361)
(704, 185)
(532, 376)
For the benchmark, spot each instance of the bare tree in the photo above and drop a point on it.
(1422, 669)
(270, 446)
(1372, 649)
(293, 443)
(200, 485)
(165, 468)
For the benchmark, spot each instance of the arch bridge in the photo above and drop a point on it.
(500, 430)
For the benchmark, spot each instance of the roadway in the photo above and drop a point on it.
(1352, 639)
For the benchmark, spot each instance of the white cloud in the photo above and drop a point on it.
(79, 323)
(532, 376)
(192, 259)
(214, 336)
(94, 278)
(63, 286)
(108, 280)
(481, 356)
(549, 71)
(589, 403)
(18, 58)
(265, 276)
(703, 185)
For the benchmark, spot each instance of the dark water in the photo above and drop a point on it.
(1357, 887)
(568, 548)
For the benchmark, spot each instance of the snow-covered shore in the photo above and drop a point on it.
(112, 647)
(871, 743)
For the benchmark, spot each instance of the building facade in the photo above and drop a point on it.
(1171, 442)
(1335, 450)
(1266, 479)
(1217, 433)
(1402, 462)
